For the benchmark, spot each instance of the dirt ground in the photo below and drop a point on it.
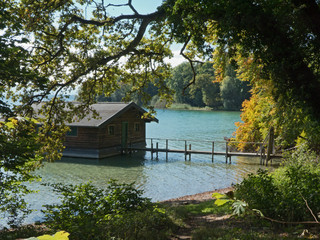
(196, 198)
(197, 221)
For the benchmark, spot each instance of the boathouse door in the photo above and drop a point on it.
(124, 134)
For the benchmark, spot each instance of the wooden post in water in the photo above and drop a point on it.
(167, 149)
(212, 157)
(226, 152)
(261, 146)
(190, 152)
(185, 150)
(151, 149)
(157, 151)
(270, 144)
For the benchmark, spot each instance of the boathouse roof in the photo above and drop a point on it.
(107, 112)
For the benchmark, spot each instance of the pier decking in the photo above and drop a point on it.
(222, 148)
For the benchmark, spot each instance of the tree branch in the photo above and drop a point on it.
(191, 65)
(315, 218)
(151, 16)
(145, 21)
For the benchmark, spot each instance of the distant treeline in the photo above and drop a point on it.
(227, 94)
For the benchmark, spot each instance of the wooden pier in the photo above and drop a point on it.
(223, 148)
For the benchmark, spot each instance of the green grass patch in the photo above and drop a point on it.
(206, 233)
(182, 212)
(203, 208)
(26, 231)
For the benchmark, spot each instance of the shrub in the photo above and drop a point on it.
(119, 211)
(291, 193)
(258, 191)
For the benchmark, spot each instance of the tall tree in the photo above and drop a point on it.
(19, 145)
(51, 48)
(82, 43)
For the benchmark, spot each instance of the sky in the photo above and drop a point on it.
(145, 7)
(142, 6)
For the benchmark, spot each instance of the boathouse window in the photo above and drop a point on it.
(73, 132)
(111, 129)
(137, 127)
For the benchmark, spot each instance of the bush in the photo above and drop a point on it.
(259, 192)
(291, 193)
(119, 211)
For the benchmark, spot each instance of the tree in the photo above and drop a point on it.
(233, 90)
(51, 48)
(282, 35)
(84, 47)
(18, 143)
(231, 93)
(203, 92)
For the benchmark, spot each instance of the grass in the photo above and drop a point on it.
(25, 232)
(202, 208)
(202, 221)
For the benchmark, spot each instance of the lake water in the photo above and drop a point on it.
(160, 179)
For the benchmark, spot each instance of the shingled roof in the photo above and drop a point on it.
(107, 112)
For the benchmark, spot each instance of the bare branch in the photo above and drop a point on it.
(132, 8)
(284, 222)
(145, 21)
(116, 5)
(191, 64)
(151, 16)
(129, 4)
(315, 218)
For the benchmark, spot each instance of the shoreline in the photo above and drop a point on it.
(198, 197)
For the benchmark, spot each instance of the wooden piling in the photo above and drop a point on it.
(151, 149)
(190, 152)
(157, 151)
(226, 152)
(185, 150)
(270, 144)
(212, 156)
(167, 145)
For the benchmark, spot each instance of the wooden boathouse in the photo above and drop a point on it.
(109, 134)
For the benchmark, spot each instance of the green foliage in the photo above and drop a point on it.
(291, 193)
(241, 232)
(202, 208)
(205, 91)
(24, 231)
(221, 199)
(57, 236)
(118, 211)
(275, 34)
(18, 158)
(240, 208)
(233, 93)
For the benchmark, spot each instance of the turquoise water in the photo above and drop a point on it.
(160, 179)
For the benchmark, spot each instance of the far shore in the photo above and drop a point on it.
(184, 106)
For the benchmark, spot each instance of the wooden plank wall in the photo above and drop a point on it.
(98, 138)
(131, 116)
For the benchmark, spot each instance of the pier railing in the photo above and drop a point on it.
(190, 146)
